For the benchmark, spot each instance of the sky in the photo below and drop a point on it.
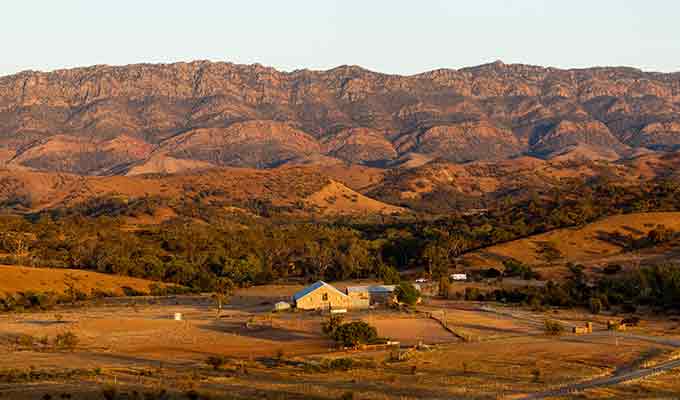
(391, 36)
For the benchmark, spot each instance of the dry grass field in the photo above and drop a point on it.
(585, 244)
(24, 279)
(135, 345)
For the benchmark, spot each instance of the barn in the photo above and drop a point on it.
(321, 296)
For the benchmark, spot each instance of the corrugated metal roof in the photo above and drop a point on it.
(314, 286)
(372, 289)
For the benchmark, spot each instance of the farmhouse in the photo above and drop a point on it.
(320, 296)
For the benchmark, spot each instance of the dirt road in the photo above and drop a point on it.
(606, 381)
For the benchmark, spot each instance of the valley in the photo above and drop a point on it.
(524, 222)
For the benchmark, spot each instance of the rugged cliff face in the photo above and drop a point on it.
(113, 120)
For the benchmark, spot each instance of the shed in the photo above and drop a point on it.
(366, 296)
(320, 296)
(282, 306)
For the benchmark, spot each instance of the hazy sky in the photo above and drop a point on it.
(395, 36)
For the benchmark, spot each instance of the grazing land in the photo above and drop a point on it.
(153, 217)
(26, 279)
(582, 244)
(134, 345)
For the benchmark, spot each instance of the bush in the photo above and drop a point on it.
(612, 269)
(157, 290)
(216, 362)
(329, 327)
(342, 364)
(132, 292)
(595, 305)
(517, 269)
(389, 275)
(110, 393)
(66, 341)
(473, 294)
(407, 293)
(193, 395)
(354, 333)
(490, 273)
(553, 328)
(26, 341)
(629, 308)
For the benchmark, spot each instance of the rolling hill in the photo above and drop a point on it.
(17, 279)
(592, 244)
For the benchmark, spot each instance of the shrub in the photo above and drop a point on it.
(491, 273)
(595, 305)
(407, 293)
(388, 274)
(157, 290)
(553, 328)
(612, 269)
(192, 395)
(216, 362)
(328, 327)
(110, 393)
(473, 294)
(342, 364)
(629, 308)
(66, 341)
(160, 394)
(515, 268)
(132, 292)
(26, 341)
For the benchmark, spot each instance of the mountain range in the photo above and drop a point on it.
(137, 119)
(446, 126)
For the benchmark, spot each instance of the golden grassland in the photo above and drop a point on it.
(15, 279)
(581, 244)
(135, 344)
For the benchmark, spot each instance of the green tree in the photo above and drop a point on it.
(222, 292)
(595, 305)
(354, 333)
(553, 328)
(407, 293)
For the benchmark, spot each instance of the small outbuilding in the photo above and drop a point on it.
(282, 306)
(321, 296)
(366, 296)
(459, 277)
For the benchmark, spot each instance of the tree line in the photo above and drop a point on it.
(196, 249)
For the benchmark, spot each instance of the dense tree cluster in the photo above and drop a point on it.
(653, 286)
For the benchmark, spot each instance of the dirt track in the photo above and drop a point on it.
(607, 381)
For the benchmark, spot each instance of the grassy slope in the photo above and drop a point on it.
(21, 279)
(579, 244)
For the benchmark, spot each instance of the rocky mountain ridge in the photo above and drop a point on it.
(148, 118)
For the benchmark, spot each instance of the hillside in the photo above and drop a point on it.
(337, 199)
(299, 189)
(592, 244)
(25, 279)
(158, 118)
(444, 186)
